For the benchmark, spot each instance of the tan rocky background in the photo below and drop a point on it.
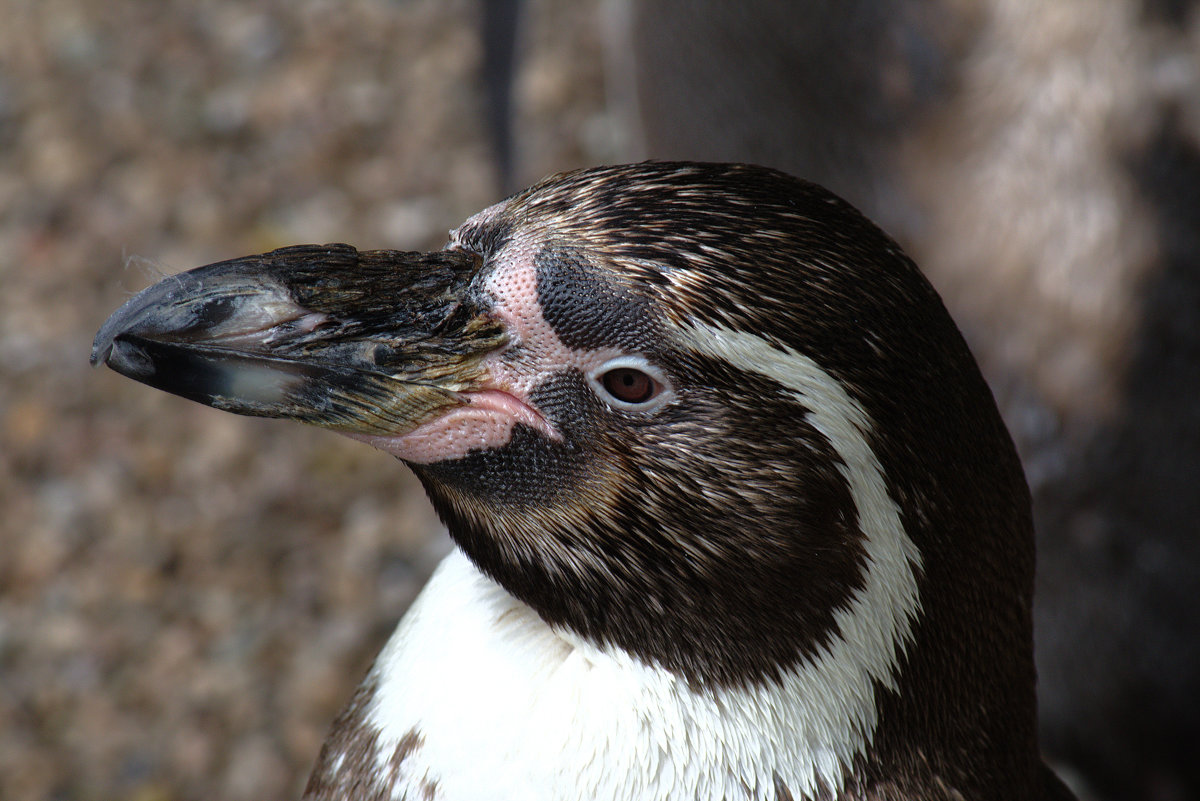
(187, 598)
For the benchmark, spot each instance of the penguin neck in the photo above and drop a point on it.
(478, 695)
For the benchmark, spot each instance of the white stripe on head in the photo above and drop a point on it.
(831, 699)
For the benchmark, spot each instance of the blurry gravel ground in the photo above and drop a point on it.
(186, 597)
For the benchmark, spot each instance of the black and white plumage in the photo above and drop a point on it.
(736, 515)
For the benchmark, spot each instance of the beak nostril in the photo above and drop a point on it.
(380, 354)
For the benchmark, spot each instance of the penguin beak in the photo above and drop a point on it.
(364, 343)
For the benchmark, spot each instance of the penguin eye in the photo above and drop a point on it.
(629, 385)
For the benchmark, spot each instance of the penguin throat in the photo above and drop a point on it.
(509, 707)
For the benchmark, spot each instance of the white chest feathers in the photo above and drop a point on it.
(475, 697)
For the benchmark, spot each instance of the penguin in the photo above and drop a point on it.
(734, 513)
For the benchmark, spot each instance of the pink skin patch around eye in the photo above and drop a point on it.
(500, 403)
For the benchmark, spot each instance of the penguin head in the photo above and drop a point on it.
(705, 415)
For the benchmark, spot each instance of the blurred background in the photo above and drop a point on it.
(187, 598)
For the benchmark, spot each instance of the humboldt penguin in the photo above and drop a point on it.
(735, 514)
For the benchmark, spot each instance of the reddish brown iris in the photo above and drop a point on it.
(629, 385)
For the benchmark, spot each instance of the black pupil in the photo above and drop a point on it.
(629, 385)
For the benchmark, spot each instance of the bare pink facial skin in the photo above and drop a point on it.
(485, 422)
(511, 375)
